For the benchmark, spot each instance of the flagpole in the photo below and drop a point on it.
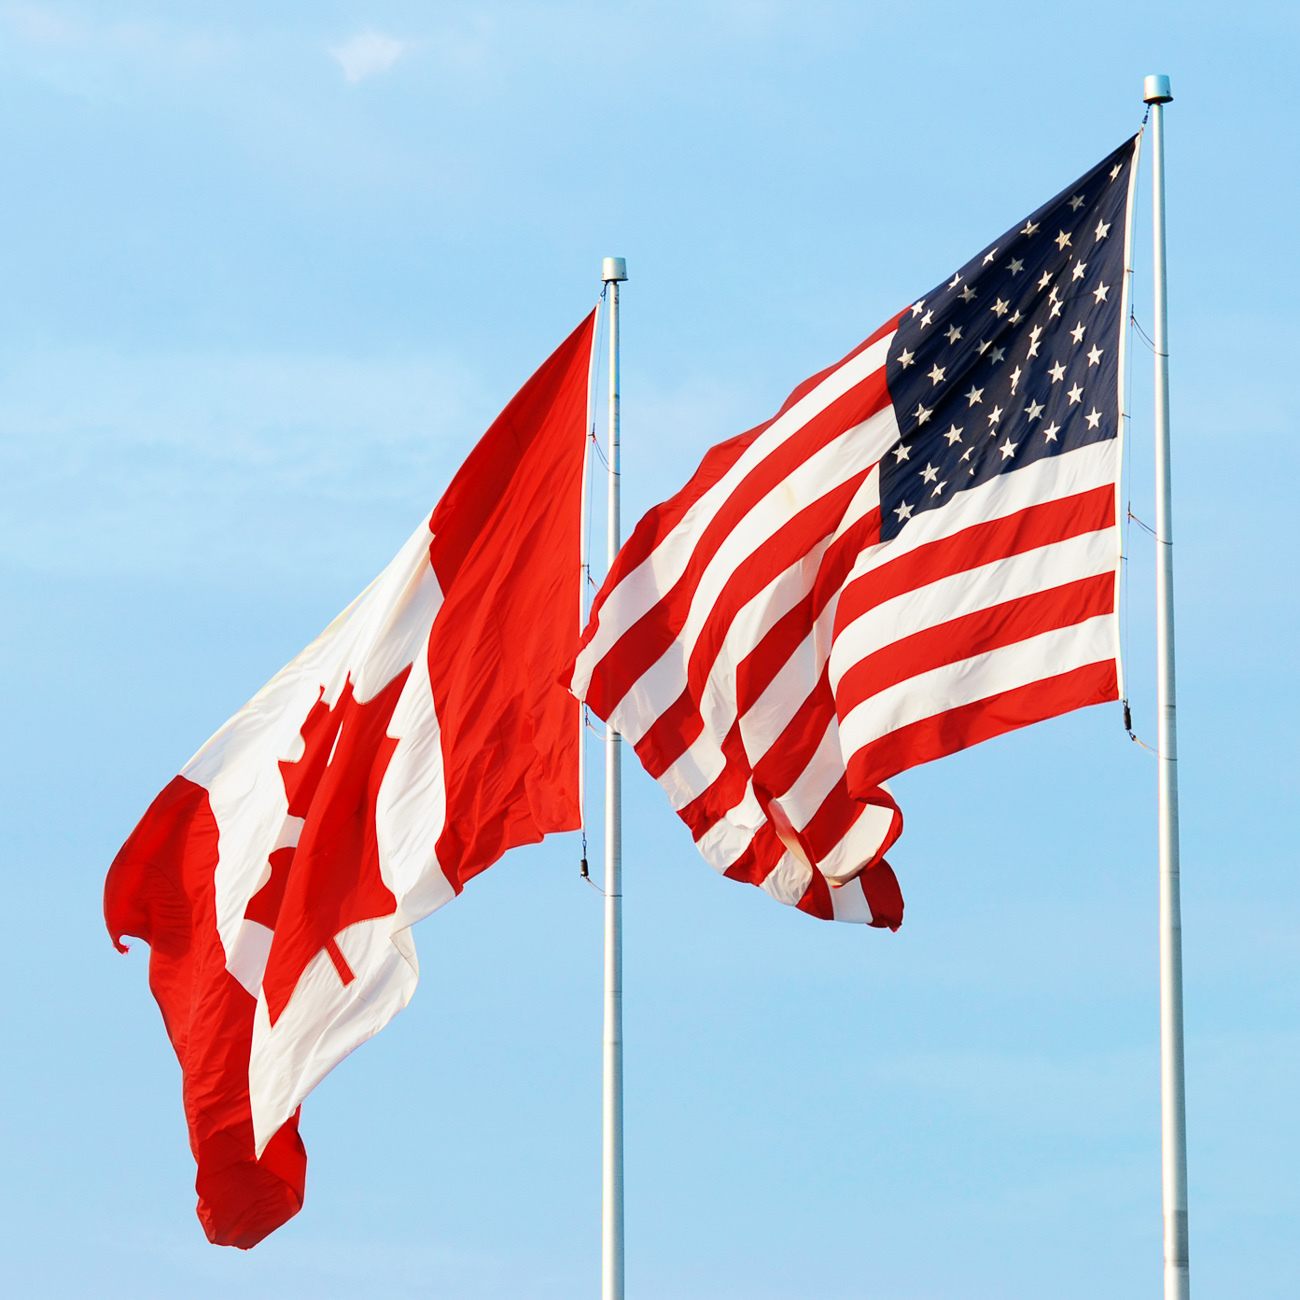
(1173, 1105)
(613, 272)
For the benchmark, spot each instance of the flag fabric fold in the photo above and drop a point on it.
(419, 737)
(918, 552)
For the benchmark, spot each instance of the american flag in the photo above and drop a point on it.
(919, 551)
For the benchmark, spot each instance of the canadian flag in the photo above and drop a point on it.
(419, 737)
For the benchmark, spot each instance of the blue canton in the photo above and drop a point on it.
(1016, 357)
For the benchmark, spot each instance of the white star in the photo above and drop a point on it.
(922, 414)
(904, 512)
(929, 474)
(939, 487)
(968, 294)
(1055, 310)
(983, 346)
(1034, 409)
(1093, 418)
(1057, 372)
(936, 373)
(901, 452)
(1015, 380)
(953, 334)
(1029, 228)
(999, 308)
(955, 281)
(1079, 269)
(1033, 341)
(1103, 229)
(1045, 279)
(1008, 449)
(926, 319)
(953, 435)
(1014, 318)
(996, 355)
(1100, 292)
(1074, 394)
(1051, 431)
(995, 415)
(990, 255)
(1055, 295)
(917, 306)
(1078, 331)
(1094, 354)
(1062, 240)
(1015, 266)
(975, 395)
(1115, 171)
(1076, 203)
(905, 358)
(966, 454)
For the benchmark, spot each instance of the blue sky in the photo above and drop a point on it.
(269, 273)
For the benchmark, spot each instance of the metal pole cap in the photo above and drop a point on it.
(1155, 89)
(613, 268)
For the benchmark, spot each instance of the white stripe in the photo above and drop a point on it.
(816, 780)
(642, 588)
(854, 451)
(858, 847)
(767, 718)
(952, 685)
(965, 593)
(849, 903)
(724, 841)
(703, 762)
(788, 880)
(851, 453)
(658, 688)
(1049, 479)
(700, 765)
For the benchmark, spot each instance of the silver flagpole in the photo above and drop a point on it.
(1173, 1105)
(613, 272)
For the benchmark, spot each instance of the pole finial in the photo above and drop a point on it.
(1155, 89)
(613, 268)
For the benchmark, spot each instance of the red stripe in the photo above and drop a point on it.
(659, 522)
(997, 539)
(816, 900)
(677, 727)
(756, 672)
(795, 539)
(790, 753)
(884, 897)
(975, 634)
(671, 734)
(641, 644)
(945, 733)
(759, 860)
(838, 814)
(712, 804)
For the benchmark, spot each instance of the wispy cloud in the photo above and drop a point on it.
(161, 454)
(42, 25)
(61, 33)
(367, 54)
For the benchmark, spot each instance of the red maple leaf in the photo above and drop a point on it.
(330, 879)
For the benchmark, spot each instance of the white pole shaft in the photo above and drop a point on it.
(611, 1281)
(1173, 1106)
